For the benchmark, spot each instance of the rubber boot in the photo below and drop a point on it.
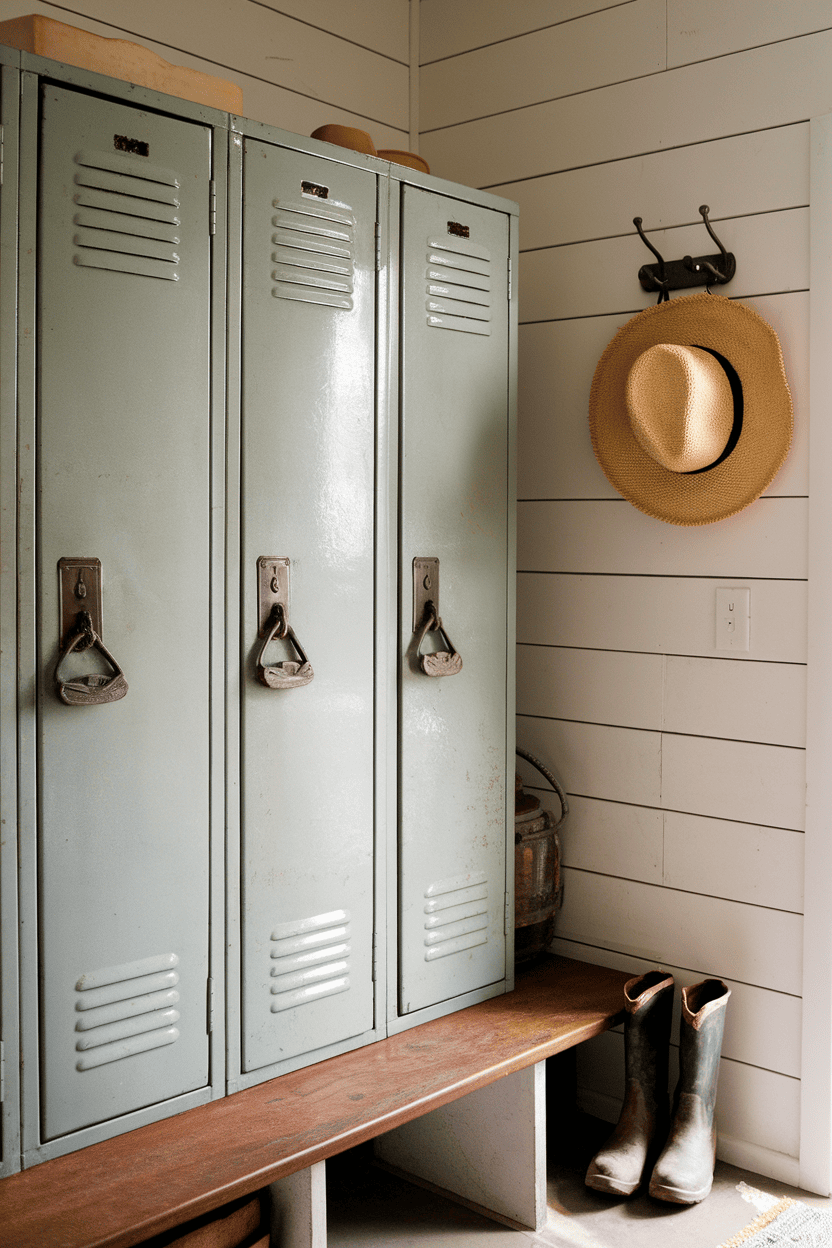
(625, 1159)
(684, 1172)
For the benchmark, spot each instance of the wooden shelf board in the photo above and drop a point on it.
(122, 1191)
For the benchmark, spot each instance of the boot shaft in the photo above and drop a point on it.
(700, 1039)
(648, 1000)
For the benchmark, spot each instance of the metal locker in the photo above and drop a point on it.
(9, 953)
(123, 478)
(455, 559)
(307, 540)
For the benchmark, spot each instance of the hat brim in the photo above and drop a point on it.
(752, 348)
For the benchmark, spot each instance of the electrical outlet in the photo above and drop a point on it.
(733, 619)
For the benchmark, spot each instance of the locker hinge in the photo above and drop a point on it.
(2, 1071)
(509, 279)
(2, 154)
(210, 1006)
(212, 217)
(378, 246)
(508, 915)
(375, 958)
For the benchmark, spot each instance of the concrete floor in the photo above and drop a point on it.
(367, 1206)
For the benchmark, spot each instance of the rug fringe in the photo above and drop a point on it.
(759, 1223)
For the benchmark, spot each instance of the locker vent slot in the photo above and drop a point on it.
(458, 286)
(125, 1010)
(313, 253)
(310, 959)
(127, 218)
(457, 915)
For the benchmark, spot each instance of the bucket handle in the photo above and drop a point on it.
(556, 785)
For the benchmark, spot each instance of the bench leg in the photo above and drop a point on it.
(487, 1150)
(299, 1209)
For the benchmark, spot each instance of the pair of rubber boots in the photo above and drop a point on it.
(677, 1151)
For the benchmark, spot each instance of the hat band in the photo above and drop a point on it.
(736, 394)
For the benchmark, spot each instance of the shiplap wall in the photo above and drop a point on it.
(300, 63)
(686, 768)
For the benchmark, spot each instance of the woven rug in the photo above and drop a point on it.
(788, 1224)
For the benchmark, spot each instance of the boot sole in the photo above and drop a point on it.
(679, 1195)
(613, 1187)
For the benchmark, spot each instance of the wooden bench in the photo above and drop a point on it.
(123, 1191)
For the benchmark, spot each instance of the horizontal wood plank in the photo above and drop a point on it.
(723, 697)
(447, 30)
(557, 361)
(693, 104)
(612, 838)
(618, 764)
(759, 1107)
(627, 41)
(597, 686)
(767, 539)
(124, 1190)
(738, 861)
(597, 278)
(750, 783)
(380, 25)
(656, 614)
(697, 29)
(716, 857)
(670, 927)
(762, 1028)
(744, 174)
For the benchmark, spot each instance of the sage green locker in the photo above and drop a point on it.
(123, 477)
(454, 507)
(307, 490)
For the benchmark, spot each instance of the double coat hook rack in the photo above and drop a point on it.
(670, 275)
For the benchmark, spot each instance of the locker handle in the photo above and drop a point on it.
(289, 674)
(96, 689)
(441, 662)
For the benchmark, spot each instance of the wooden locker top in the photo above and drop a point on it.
(118, 58)
(122, 1191)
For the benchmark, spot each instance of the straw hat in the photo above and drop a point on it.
(361, 141)
(690, 412)
(346, 136)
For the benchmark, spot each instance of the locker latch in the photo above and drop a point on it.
(426, 619)
(273, 625)
(79, 586)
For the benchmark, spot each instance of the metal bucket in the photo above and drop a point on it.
(537, 883)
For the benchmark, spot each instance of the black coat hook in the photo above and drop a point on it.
(670, 275)
(657, 280)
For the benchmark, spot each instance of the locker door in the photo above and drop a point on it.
(308, 488)
(454, 465)
(123, 457)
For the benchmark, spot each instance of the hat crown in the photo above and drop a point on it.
(680, 406)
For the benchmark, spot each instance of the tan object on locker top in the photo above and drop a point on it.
(118, 58)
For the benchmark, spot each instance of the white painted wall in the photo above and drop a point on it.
(686, 769)
(300, 63)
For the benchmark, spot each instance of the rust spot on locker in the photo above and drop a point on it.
(461, 231)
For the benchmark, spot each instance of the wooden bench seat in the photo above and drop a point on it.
(122, 1191)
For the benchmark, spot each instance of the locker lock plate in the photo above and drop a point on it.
(272, 589)
(79, 589)
(425, 588)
